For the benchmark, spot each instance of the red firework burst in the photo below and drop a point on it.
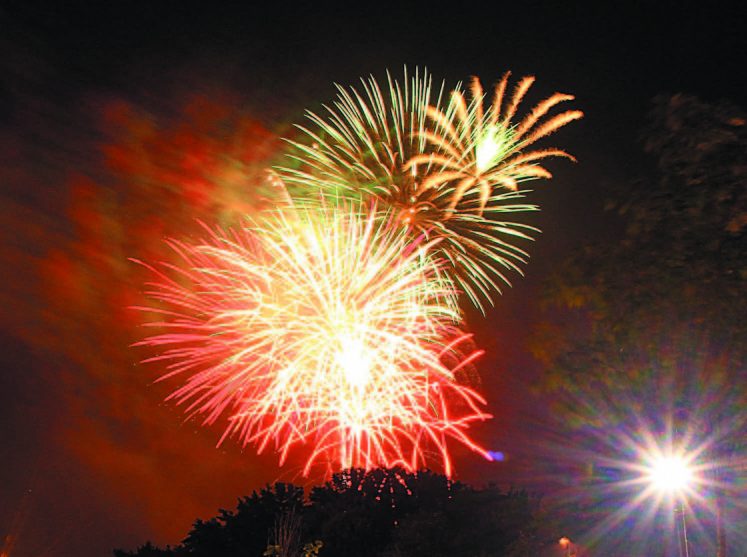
(326, 329)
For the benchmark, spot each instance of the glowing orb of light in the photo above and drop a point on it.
(670, 474)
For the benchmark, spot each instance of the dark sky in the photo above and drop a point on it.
(91, 459)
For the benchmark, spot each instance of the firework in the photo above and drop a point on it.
(481, 149)
(420, 161)
(326, 328)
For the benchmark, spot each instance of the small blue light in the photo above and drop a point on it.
(497, 456)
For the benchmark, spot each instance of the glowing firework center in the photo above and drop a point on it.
(489, 149)
(354, 361)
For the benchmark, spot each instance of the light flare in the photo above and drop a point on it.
(671, 474)
(668, 472)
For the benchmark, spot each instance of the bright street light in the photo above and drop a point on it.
(670, 474)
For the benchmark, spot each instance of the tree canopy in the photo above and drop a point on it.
(381, 512)
(667, 302)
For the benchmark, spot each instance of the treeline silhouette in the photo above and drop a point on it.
(381, 512)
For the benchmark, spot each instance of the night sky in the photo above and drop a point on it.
(92, 458)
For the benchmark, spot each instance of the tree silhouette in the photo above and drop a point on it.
(381, 512)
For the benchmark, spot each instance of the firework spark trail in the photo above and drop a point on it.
(325, 328)
(482, 148)
(401, 148)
